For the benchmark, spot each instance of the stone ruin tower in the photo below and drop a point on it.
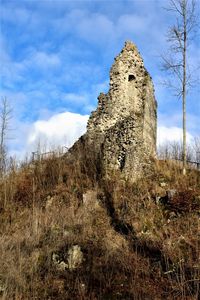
(123, 127)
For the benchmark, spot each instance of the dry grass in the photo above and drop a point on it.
(133, 247)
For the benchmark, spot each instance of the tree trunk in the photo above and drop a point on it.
(184, 92)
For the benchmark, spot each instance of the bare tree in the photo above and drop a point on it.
(5, 117)
(174, 150)
(197, 149)
(176, 62)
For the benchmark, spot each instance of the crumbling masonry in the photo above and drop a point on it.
(123, 127)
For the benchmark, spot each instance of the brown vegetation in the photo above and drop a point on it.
(134, 247)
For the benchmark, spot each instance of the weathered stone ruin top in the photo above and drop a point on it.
(126, 84)
(123, 127)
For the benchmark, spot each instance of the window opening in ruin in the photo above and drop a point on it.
(131, 77)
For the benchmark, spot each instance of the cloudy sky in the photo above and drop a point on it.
(55, 58)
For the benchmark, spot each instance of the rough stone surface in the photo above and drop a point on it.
(75, 257)
(123, 127)
(90, 200)
(73, 261)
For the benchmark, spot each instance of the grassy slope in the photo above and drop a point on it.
(133, 247)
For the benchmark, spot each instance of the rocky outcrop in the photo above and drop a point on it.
(73, 261)
(122, 130)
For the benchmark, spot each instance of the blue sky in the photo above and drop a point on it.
(55, 58)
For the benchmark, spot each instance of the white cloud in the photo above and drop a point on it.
(75, 98)
(133, 23)
(21, 15)
(43, 59)
(171, 134)
(60, 130)
(97, 23)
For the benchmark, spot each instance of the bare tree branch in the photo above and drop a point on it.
(176, 62)
(5, 117)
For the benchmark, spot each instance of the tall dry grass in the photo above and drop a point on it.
(133, 246)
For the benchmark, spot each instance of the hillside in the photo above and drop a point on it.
(66, 235)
